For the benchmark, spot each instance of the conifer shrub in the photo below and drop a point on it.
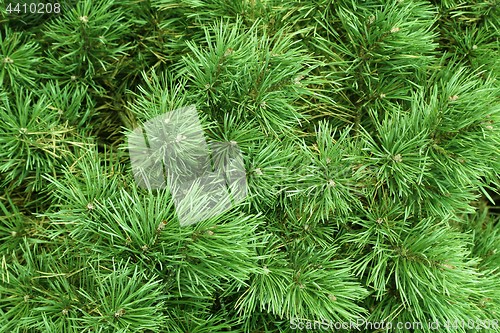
(369, 142)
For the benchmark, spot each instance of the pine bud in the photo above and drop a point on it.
(8, 60)
(448, 266)
(84, 19)
(180, 138)
(228, 52)
(161, 226)
(397, 158)
(119, 313)
(483, 301)
(297, 80)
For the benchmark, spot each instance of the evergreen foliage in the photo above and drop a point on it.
(370, 140)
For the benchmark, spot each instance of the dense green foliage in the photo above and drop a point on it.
(370, 137)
